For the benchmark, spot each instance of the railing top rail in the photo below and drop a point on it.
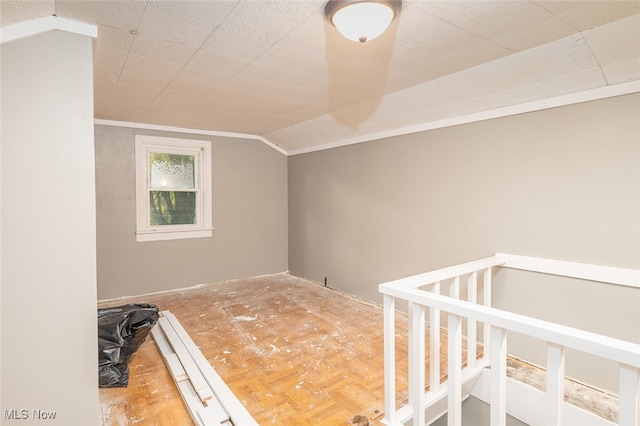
(600, 273)
(606, 347)
(426, 278)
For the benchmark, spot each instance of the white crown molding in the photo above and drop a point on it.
(189, 131)
(42, 25)
(558, 101)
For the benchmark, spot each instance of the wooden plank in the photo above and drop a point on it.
(192, 401)
(416, 362)
(498, 410)
(472, 325)
(555, 384)
(389, 360)
(196, 378)
(629, 394)
(486, 294)
(454, 380)
(212, 415)
(175, 368)
(434, 344)
(170, 358)
(161, 341)
(231, 405)
(455, 288)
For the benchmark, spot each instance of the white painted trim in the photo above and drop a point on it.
(435, 401)
(542, 104)
(188, 131)
(585, 271)
(603, 346)
(196, 377)
(497, 386)
(142, 237)
(201, 150)
(170, 358)
(416, 281)
(229, 402)
(527, 403)
(629, 395)
(389, 360)
(554, 102)
(182, 358)
(42, 25)
(191, 400)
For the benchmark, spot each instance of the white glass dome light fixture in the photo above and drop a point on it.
(362, 20)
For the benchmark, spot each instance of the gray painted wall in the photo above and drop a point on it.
(249, 218)
(48, 307)
(562, 183)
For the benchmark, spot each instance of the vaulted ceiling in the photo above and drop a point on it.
(277, 69)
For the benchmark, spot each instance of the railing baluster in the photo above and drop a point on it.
(498, 377)
(389, 359)
(555, 384)
(455, 288)
(411, 348)
(454, 380)
(472, 325)
(434, 344)
(416, 362)
(495, 325)
(486, 290)
(629, 394)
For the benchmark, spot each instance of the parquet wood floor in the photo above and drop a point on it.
(294, 353)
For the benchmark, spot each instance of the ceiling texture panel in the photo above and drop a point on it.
(277, 69)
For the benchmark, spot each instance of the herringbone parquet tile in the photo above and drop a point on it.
(294, 352)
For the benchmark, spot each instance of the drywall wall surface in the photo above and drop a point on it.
(249, 181)
(562, 183)
(49, 333)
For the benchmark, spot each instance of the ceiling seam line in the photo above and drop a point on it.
(187, 62)
(124, 64)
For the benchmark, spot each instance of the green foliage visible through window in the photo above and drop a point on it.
(172, 208)
(173, 192)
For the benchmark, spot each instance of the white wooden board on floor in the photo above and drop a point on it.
(195, 376)
(229, 402)
(208, 399)
(170, 358)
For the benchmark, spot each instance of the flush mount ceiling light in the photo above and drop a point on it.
(361, 20)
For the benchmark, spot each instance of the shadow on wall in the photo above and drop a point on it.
(358, 73)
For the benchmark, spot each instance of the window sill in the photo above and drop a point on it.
(172, 235)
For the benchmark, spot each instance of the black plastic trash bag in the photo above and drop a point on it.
(121, 331)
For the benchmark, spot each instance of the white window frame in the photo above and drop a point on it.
(145, 144)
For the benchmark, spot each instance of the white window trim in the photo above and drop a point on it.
(144, 232)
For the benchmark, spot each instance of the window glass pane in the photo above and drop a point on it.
(171, 170)
(172, 208)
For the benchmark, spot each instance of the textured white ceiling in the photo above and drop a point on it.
(277, 69)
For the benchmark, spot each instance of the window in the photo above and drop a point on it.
(173, 188)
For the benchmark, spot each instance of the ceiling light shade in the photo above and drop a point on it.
(362, 20)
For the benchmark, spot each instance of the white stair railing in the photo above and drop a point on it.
(435, 282)
(422, 292)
